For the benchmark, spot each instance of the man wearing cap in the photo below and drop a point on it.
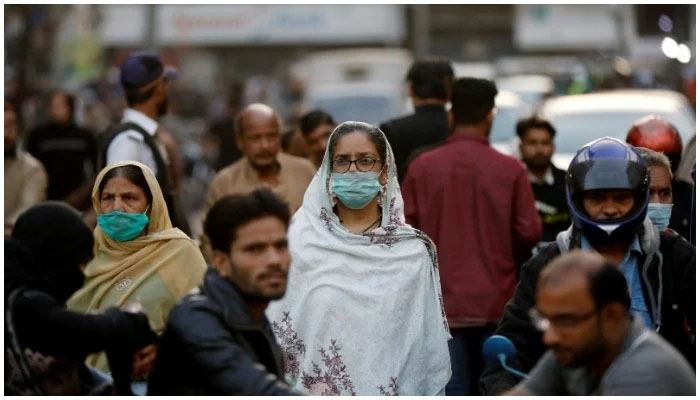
(145, 82)
(607, 192)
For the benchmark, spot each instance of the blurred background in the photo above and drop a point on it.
(351, 61)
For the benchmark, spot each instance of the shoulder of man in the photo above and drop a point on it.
(674, 245)
(654, 367)
(299, 163)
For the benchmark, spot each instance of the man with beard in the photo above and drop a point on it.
(26, 181)
(548, 182)
(218, 340)
(145, 81)
(596, 347)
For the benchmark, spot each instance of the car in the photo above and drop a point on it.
(510, 108)
(580, 119)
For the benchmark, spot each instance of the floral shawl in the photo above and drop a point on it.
(363, 313)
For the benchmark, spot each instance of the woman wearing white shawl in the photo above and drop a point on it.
(363, 311)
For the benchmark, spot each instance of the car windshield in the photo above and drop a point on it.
(503, 128)
(575, 130)
(370, 109)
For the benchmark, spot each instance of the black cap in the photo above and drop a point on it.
(142, 68)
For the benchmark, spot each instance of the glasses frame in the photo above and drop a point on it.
(561, 323)
(350, 162)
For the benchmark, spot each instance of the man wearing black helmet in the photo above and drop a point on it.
(607, 194)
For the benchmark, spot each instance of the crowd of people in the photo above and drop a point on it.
(346, 259)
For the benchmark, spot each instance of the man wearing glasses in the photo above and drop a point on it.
(478, 207)
(607, 194)
(596, 346)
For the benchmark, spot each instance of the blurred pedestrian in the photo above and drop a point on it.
(258, 131)
(316, 127)
(45, 344)
(687, 162)
(548, 182)
(218, 341)
(67, 151)
(607, 191)
(25, 177)
(596, 347)
(655, 133)
(225, 131)
(140, 257)
(660, 188)
(478, 206)
(363, 313)
(146, 86)
(429, 81)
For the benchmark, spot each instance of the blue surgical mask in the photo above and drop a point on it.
(122, 226)
(659, 214)
(355, 189)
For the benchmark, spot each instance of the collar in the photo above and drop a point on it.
(141, 119)
(548, 177)
(634, 246)
(227, 296)
(460, 134)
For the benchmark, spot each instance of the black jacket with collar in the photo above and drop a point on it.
(212, 347)
(427, 127)
(668, 280)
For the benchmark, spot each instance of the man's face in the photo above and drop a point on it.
(572, 326)
(660, 185)
(537, 148)
(59, 109)
(260, 140)
(10, 132)
(317, 141)
(608, 204)
(259, 259)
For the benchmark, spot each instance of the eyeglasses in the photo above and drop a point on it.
(363, 164)
(560, 322)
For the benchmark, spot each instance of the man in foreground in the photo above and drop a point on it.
(596, 347)
(218, 340)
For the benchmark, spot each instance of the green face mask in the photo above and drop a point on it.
(355, 189)
(122, 226)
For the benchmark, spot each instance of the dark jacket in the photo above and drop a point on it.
(427, 126)
(681, 212)
(212, 347)
(550, 202)
(668, 276)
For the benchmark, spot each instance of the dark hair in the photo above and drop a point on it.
(431, 78)
(138, 96)
(313, 119)
(374, 134)
(472, 100)
(231, 212)
(605, 281)
(70, 102)
(133, 174)
(524, 125)
(608, 286)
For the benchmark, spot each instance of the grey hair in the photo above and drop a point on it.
(372, 132)
(655, 159)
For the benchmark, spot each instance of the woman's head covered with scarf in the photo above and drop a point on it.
(46, 250)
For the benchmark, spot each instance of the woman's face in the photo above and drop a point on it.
(121, 194)
(356, 146)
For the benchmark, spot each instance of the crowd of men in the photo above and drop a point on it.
(589, 271)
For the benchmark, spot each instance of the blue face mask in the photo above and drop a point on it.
(659, 214)
(122, 226)
(355, 189)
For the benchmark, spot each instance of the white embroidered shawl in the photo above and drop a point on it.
(362, 314)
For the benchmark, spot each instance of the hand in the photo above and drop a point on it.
(143, 361)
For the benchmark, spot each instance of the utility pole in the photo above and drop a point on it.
(421, 30)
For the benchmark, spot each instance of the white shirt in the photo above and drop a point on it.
(130, 145)
(547, 179)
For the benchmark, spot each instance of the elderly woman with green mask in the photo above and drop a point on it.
(140, 259)
(362, 314)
